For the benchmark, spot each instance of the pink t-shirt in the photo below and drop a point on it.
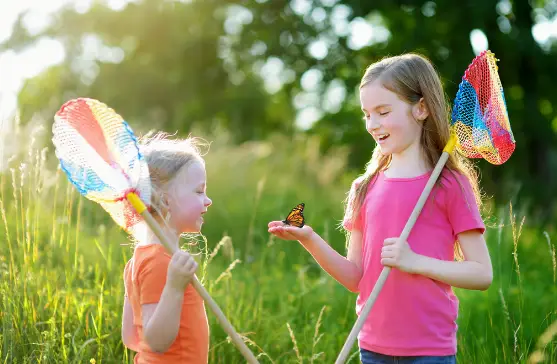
(413, 315)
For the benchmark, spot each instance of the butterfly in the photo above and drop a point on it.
(296, 217)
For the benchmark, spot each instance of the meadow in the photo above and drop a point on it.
(62, 259)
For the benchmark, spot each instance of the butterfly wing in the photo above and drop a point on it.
(296, 216)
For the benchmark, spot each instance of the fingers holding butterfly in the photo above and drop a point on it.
(293, 226)
(285, 232)
(280, 231)
(273, 224)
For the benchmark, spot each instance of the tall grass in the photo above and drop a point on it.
(62, 258)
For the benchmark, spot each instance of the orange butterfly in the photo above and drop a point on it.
(296, 217)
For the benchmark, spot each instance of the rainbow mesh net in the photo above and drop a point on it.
(100, 156)
(479, 118)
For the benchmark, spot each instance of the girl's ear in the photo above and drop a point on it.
(419, 110)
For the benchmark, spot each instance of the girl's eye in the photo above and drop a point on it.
(384, 113)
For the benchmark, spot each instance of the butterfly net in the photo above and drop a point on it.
(100, 156)
(479, 116)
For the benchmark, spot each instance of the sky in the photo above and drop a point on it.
(16, 67)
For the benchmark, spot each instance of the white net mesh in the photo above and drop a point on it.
(99, 153)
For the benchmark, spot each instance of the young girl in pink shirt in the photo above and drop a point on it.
(414, 317)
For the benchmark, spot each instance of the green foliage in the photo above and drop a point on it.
(179, 65)
(62, 258)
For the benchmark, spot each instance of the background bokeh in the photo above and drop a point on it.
(273, 86)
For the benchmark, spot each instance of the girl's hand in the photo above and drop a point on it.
(181, 270)
(398, 254)
(286, 232)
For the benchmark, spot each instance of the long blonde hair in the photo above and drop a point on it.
(412, 77)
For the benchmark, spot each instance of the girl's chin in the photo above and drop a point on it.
(385, 151)
(192, 231)
(193, 228)
(390, 150)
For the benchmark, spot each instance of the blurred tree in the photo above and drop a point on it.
(157, 63)
(251, 66)
(441, 31)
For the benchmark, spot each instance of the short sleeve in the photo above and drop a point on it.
(462, 209)
(152, 278)
(126, 277)
(355, 222)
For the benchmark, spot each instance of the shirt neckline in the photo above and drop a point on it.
(405, 179)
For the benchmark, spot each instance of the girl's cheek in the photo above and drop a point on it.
(390, 122)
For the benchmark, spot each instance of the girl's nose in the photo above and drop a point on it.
(372, 124)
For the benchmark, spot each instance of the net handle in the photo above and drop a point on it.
(140, 207)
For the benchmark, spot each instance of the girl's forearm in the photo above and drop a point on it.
(339, 267)
(466, 274)
(162, 328)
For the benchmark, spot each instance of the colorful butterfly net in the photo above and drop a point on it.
(100, 155)
(479, 118)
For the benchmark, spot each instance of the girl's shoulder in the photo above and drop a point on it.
(128, 265)
(145, 256)
(358, 180)
(462, 202)
(458, 190)
(454, 181)
(148, 262)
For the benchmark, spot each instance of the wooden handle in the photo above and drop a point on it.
(386, 270)
(172, 248)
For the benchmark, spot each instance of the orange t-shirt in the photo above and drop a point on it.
(144, 278)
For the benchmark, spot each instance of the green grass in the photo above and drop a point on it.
(62, 259)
